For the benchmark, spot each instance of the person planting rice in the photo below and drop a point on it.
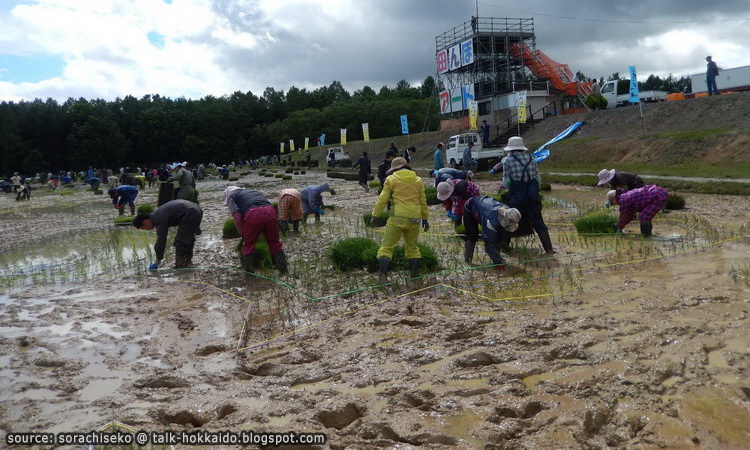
(183, 214)
(495, 218)
(645, 201)
(121, 195)
(619, 180)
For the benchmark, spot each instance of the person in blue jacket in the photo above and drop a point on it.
(495, 218)
(312, 201)
(124, 194)
(448, 173)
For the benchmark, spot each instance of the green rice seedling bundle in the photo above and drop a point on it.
(229, 231)
(674, 202)
(596, 222)
(379, 221)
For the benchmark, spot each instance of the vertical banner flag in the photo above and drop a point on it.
(404, 125)
(307, 141)
(366, 131)
(323, 139)
(521, 106)
(634, 96)
(343, 136)
(291, 145)
(473, 112)
(281, 147)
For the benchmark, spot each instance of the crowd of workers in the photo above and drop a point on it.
(401, 192)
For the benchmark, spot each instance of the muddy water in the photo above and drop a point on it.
(616, 341)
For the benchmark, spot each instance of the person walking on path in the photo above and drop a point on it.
(496, 219)
(185, 181)
(365, 168)
(312, 201)
(619, 180)
(712, 71)
(405, 190)
(521, 177)
(184, 215)
(121, 195)
(469, 163)
(290, 210)
(438, 158)
(254, 215)
(645, 201)
(454, 194)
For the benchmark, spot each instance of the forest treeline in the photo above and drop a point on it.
(50, 136)
(78, 133)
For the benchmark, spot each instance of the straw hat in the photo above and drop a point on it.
(605, 176)
(229, 191)
(611, 196)
(398, 163)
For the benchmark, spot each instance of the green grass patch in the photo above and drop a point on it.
(690, 135)
(361, 253)
(287, 177)
(373, 184)
(233, 178)
(67, 192)
(596, 222)
(696, 187)
(261, 256)
(124, 221)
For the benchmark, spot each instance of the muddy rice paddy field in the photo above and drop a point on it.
(615, 342)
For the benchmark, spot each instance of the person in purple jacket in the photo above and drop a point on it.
(645, 201)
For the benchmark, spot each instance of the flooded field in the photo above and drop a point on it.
(614, 341)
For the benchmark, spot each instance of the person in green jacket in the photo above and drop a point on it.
(405, 190)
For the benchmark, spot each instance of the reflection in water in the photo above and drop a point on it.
(82, 255)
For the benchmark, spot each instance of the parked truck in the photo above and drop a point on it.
(484, 154)
(735, 79)
(617, 93)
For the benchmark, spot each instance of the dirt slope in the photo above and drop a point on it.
(704, 130)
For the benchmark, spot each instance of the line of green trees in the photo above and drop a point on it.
(49, 136)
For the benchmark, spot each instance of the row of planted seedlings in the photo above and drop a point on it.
(80, 256)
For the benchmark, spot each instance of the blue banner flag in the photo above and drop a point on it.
(404, 125)
(543, 152)
(634, 96)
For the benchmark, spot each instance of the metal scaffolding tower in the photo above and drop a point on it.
(494, 69)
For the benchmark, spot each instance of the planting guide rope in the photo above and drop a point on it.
(465, 290)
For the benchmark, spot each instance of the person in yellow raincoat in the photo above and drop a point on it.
(405, 190)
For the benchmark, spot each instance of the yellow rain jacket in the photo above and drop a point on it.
(405, 190)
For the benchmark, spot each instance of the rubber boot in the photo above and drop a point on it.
(414, 263)
(295, 226)
(121, 211)
(279, 260)
(304, 218)
(182, 262)
(383, 263)
(283, 227)
(247, 263)
(646, 228)
(317, 218)
(469, 251)
(132, 210)
(546, 242)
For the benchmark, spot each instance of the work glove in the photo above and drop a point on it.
(373, 221)
(618, 230)
(449, 214)
(607, 204)
(425, 225)
(116, 207)
(153, 266)
(320, 211)
(492, 171)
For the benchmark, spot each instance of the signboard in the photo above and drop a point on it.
(473, 113)
(404, 125)
(366, 131)
(445, 102)
(454, 57)
(467, 52)
(442, 61)
(521, 105)
(343, 136)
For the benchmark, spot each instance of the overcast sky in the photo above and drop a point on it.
(192, 48)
